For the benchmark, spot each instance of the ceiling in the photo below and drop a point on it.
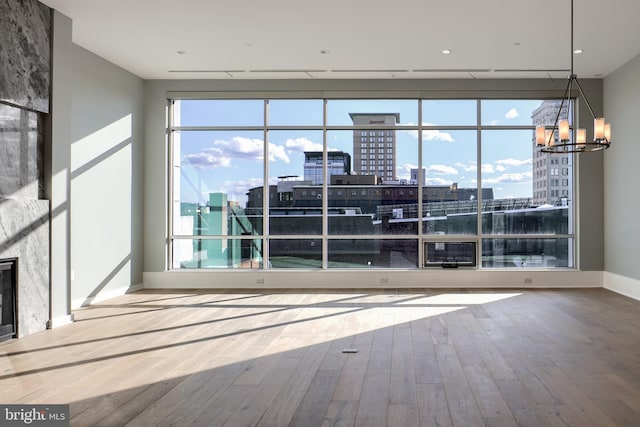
(297, 39)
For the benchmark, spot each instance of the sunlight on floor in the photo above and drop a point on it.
(179, 334)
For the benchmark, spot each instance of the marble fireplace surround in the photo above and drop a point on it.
(24, 234)
(25, 79)
(24, 213)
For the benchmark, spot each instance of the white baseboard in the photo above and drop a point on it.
(623, 285)
(348, 279)
(102, 296)
(58, 321)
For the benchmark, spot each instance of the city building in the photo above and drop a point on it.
(374, 147)
(338, 163)
(415, 176)
(552, 175)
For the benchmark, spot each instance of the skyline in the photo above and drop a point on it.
(230, 161)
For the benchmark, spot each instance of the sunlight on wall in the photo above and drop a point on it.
(95, 145)
(101, 209)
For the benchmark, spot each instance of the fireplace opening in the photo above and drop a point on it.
(8, 286)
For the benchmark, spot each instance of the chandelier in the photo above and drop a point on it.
(573, 140)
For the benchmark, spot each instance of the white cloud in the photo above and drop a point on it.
(302, 145)
(403, 175)
(277, 152)
(408, 167)
(473, 167)
(208, 159)
(499, 166)
(436, 135)
(239, 147)
(512, 114)
(431, 134)
(510, 178)
(404, 171)
(251, 148)
(442, 170)
(514, 162)
(438, 181)
(236, 148)
(237, 190)
(488, 168)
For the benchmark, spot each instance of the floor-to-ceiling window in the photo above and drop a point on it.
(352, 183)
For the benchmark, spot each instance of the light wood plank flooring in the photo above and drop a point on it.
(276, 358)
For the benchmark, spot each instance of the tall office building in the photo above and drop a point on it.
(374, 148)
(338, 163)
(552, 177)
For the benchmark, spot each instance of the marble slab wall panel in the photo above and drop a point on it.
(24, 233)
(25, 53)
(21, 153)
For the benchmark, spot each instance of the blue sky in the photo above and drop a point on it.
(230, 161)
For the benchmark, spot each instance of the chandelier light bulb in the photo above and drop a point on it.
(540, 141)
(581, 138)
(548, 138)
(598, 129)
(563, 130)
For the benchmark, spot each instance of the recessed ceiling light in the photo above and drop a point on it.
(578, 51)
(181, 52)
(324, 52)
(446, 51)
(516, 44)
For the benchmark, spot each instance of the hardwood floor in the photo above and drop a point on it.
(276, 358)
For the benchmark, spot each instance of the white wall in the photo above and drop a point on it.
(621, 201)
(106, 178)
(57, 169)
(590, 195)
